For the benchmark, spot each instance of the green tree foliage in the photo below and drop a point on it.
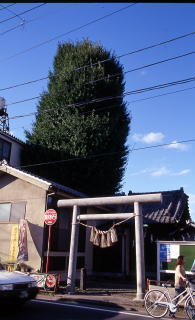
(64, 130)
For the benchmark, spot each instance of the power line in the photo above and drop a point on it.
(160, 95)
(103, 78)
(105, 60)
(164, 144)
(68, 32)
(109, 107)
(104, 154)
(138, 100)
(143, 90)
(26, 22)
(112, 97)
(13, 4)
(161, 86)
(13, 28)
(160, 43)
(16, 15)
(139, 68)
(100, 79)
(25, 100)
(23, 115)
(50, 110)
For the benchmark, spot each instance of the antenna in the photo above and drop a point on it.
(4, 121)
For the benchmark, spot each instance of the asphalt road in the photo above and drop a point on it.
(46, 310)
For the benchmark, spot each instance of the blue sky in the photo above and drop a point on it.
(159, 120)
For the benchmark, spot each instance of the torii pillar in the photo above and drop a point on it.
(139, 238)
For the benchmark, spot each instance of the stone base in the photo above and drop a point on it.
(139, 297)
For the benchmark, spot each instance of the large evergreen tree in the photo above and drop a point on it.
(93, 135)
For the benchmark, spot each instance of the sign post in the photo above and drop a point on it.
(50, 219)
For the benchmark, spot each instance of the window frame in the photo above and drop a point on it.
(6, 221)
(10, 213)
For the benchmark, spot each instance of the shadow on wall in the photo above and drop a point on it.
(37, 236)
(6, 179)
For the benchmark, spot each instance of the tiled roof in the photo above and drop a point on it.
(186, 233)
(169, 211)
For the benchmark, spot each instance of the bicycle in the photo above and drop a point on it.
(158, 302)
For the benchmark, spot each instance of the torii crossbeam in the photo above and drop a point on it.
(137, 200)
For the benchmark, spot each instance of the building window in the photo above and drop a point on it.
(12, 212)
(5, 150)
(5, 209)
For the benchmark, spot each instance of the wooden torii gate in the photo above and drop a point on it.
(139, 239)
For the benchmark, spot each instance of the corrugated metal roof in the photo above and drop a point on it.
(8, 135)
(67, 189)
(48, 183)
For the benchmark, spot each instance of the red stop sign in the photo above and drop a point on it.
(50, 217)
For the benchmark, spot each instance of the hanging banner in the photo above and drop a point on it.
(13, 253)
(22, 241)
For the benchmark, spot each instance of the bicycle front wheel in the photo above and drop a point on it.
(156, 303)
(190, 307)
